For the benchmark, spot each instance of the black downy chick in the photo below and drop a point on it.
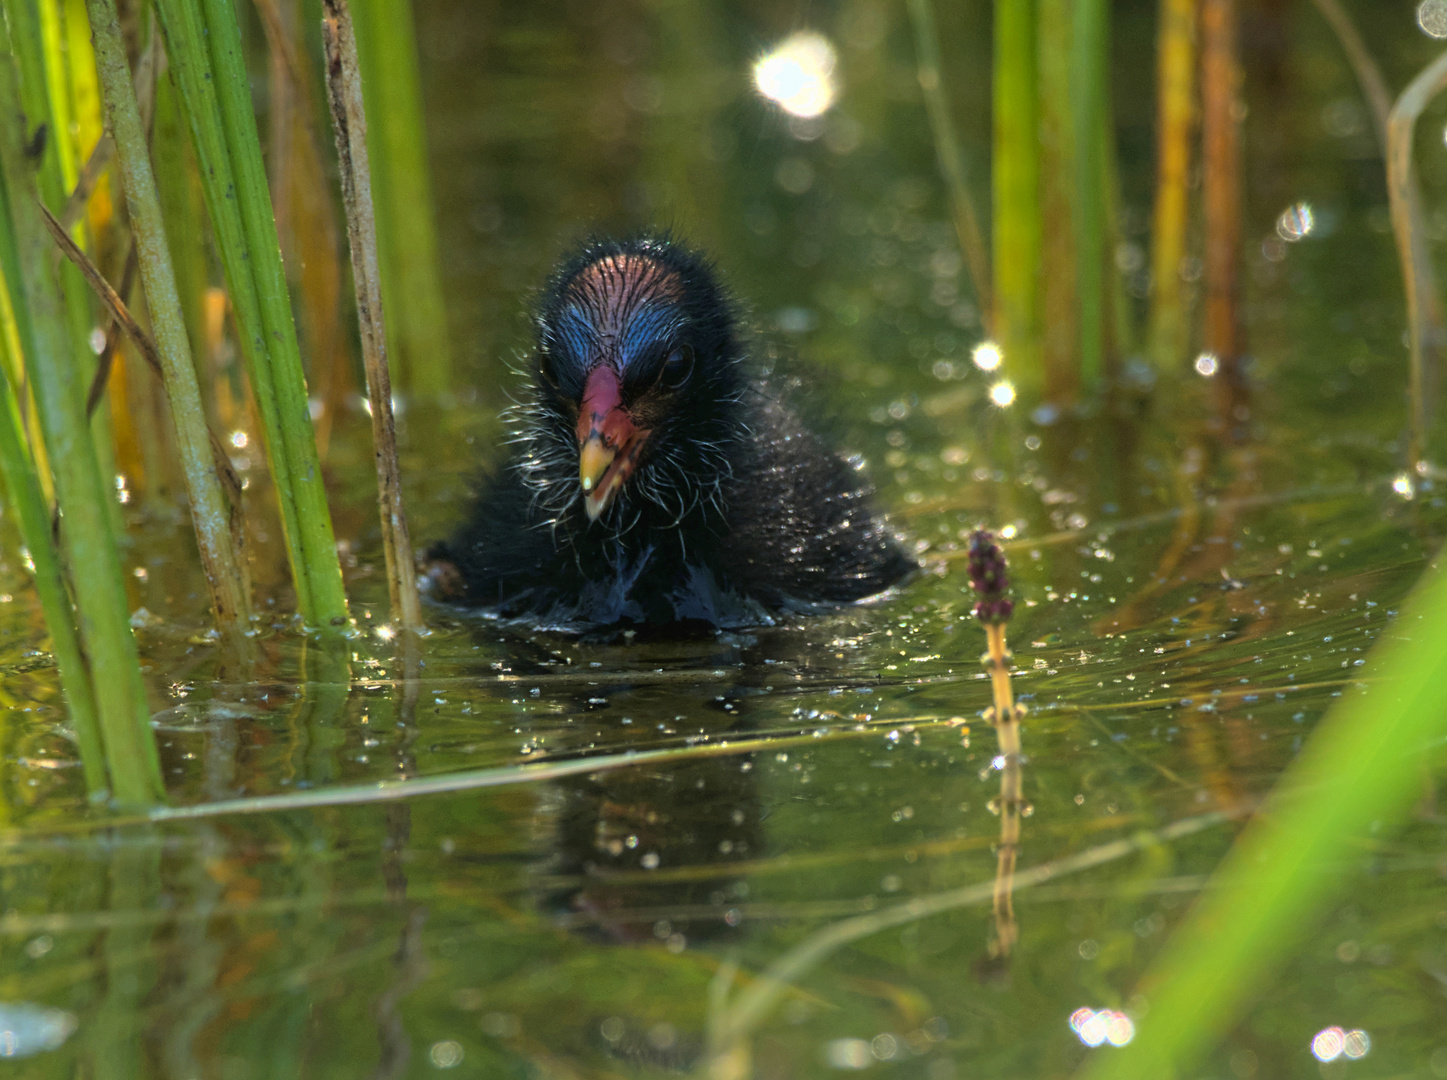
(655, 479)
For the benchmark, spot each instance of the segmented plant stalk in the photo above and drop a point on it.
(203, 43)
(990, 580)
(92, 558)
(950, 156)
(210, 512)
(1060, 301)
(1090, 45)
(1176, 111)
(344, 92)
(417, 337)
(1016, 182)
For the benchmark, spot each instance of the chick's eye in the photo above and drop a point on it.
(677, 367)
(547, 368)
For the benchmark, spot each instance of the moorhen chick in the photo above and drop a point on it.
(655, 477)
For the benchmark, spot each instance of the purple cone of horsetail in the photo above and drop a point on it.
(989, 579)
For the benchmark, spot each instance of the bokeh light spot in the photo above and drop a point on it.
(799, 74)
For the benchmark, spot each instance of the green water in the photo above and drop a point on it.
(1187, 610)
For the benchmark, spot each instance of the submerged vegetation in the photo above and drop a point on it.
(169, 204)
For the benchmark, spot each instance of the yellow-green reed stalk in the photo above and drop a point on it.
(28, 506)
(94, 564)
(349, 118)
(36, 42)
(211, 515)
(203, 44)
(1412, 241)
(1176, 112)
(181, 210)
(1016, 184)
(1060, 333)
(417, 337)
(949, 154)
(1221, 331)
(1089, 61)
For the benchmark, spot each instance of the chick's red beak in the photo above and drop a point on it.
(609, 442)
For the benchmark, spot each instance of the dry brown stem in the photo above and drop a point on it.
(344, 94)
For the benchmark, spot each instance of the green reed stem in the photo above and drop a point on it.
(35, 40)
(417, 337)
(1175, 123)
(1089, 56)
(210, 513)
(27, 503)
(950, 155)
(1016, 183)
(90, 547)
(1060, 332)
(182, 212)
(203, 43)
(1360, 772)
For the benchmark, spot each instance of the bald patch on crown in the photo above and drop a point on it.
(611, 292)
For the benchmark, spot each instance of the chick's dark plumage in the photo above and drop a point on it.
(654, 478)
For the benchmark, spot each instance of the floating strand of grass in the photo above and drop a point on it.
(1412, 242)
(344, 92)
(736, 1020)
(1176, 111)
(204, 46)
(1016, 184)
(131, 759)
(212, 514)
(950, 156)
(412, 290)
(382, 791)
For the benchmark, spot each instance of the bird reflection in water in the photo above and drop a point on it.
(653, 852)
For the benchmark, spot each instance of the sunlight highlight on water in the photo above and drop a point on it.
(1333, 1042)
(1432, 17)
(1296, 222)
(1099, 1028)
(987, 356)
